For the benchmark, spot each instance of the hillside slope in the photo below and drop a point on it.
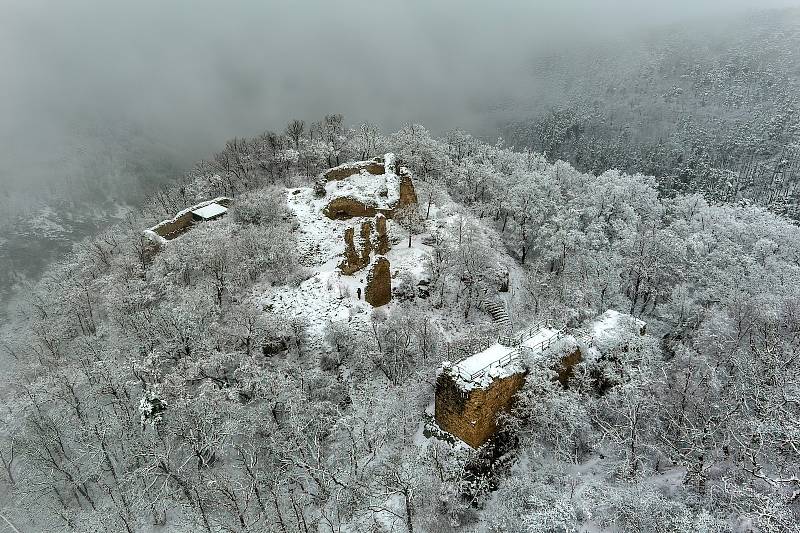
(234, 379)
(708, 107)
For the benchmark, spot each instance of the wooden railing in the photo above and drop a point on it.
(545, 344)
(515, 352)
(522, 336)
(515, 342)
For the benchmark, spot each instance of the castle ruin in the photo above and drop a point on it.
(471, 393)
(369, 191)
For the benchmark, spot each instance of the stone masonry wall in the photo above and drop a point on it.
(379, 283)
(354, 258)
(382, 246)
(471, 416)
(347, 170)
(343, 207)
(566, 368)
(408, 195)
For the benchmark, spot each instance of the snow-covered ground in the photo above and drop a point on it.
(322, 298)
(328, 295)
(378, 190)
(404, 259)
(320, 238)
(608, 329)
(381, 191)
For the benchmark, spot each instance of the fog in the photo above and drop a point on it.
(186, 75)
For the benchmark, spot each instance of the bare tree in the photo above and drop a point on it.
(295, 130)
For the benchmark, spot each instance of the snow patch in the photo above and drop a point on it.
(610, 329)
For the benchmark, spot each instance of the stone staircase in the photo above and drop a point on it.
(496, 309)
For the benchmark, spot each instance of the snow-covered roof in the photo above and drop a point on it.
(210, 211)
(494, 354)
(153, 233)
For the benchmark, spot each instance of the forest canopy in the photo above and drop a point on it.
(152, 390)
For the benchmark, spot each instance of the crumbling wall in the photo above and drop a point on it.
(382, 245)
(379, 283)
(348, 169)
(408, 195)
(169, 229)
(343, 208)
(472, 415)
(566, 368)
(355, 257)
(181, 223)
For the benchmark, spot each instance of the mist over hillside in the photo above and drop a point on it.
(402, 267)
(711, 109)
(90, 131)
(189, 82)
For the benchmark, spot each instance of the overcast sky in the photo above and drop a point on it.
(192, 73)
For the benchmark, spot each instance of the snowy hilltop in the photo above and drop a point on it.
(332, 330)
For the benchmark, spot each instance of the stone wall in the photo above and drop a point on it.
(408, 195)
(343, 207)
(345, 171)
(379, 283)
(382, 246)
(171, 229)
(355, 257)
(472, 415)
(181, 222)
(566, 367)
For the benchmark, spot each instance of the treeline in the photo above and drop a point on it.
(711, 108)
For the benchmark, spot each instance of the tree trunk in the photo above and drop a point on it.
(409, 523)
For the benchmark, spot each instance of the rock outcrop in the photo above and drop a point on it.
(379, 283)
